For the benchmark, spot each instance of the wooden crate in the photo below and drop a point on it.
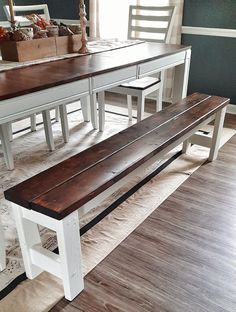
(39, 48)
(29, 50)
(68, 44)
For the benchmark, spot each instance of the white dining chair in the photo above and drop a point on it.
(21, 10)
(146, 23)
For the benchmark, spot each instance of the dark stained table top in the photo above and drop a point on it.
(33, 78)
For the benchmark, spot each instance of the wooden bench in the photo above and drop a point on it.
(54, 197)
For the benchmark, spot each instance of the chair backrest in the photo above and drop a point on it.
(41, 9)
(150, 23)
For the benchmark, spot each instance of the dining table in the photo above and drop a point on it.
(35, 88)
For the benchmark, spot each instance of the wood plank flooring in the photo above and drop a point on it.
(180, 259)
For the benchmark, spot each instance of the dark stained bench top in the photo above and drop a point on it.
(68, 185)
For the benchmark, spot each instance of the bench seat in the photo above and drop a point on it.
(53, 197)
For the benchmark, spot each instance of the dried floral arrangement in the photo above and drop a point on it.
(40, 28)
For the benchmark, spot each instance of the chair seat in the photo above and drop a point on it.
(142, 83)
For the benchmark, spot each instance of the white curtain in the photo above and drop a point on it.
(109, 19)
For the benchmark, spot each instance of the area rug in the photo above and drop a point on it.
(31, 157)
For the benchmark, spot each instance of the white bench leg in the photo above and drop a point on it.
(68, 238)
(28, 237)
(85, 107)
(10, 131)
(48, 130)
(64, 123)
(67, 265)
(218, 127)
(6, 146)
(101, 110)
(129, 103)
(2, 249)
(93, 108)
(186, 146)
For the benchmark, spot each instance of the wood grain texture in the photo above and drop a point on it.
(181, 258)
(25, 192)
(42, 76)
(83, 185)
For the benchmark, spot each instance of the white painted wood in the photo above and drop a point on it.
(130, 106)
(140, 106)
(68, 237)
(93, 110)
(33, 122)
(231, 109)
(64, 123)
(48, 130)
(50, 98)
(57, 114)
(10, 132)
(85, 107)
(205, 31)
(181, 76)
(46, 259)
(6, 146)
(201, 139)
(218, 126)
(116, 77)
(28, 237)
(155, 66)
(2, 249)
(101, 110)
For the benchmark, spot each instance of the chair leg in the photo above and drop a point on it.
(48, 130)
(64, 123)
(140, 106)
(6, 146)
(57, 114)
(129, 103)
(85, 107)
(101, 110)
(33, 122)
(10, 131)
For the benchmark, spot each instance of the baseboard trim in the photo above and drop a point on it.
(231, 109)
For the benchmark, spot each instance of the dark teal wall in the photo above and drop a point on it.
(213, 64)
(65, 9)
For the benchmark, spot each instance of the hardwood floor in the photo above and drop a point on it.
(180, 259)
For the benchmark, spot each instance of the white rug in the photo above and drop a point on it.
(32, 156)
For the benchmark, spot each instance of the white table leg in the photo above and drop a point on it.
(181, 75)
(2, 249)
(6, 146)
(28, 237)
(68, 238)
(64, 123)
(218, 127)
(93, 107)
(48, 130)
(85, 107)
(101, 110)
